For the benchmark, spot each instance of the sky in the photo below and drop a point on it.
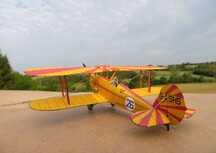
(67, 33)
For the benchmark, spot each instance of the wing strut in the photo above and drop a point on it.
(149, 81)
(141, 76)
(64, 87)
(61, 85)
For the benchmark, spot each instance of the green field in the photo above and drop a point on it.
(167, 75)
(198, 88)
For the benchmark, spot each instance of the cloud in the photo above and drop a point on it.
(157, 52)
(47, 33)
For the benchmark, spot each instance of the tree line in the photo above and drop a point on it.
(183, 73)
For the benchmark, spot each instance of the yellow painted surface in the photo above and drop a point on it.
(152, 121)
(164, 118)
(63, 71)
(190, 111)
(61, 102)
(149, 118)
(144, 91)
(117, 94)
(172, 106)
(140, 117)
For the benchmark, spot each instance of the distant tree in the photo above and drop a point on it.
(6, 75)
(24, 82)
(175, 75)
(187, 78)
(163, 80)
(207, 69)
(201, 79)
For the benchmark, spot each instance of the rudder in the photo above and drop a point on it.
(171, 101)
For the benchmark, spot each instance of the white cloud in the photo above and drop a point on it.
(157, 52)
(66, 33)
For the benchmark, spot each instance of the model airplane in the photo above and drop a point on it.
(168, 108)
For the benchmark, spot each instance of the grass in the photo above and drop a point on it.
(198, 88)
(167, 75)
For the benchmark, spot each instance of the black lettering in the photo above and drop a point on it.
(130, 104)
(161, 96)
(171, 99)
(166, 97)
(178, 101)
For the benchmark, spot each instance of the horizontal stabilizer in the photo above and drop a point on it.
(189, 112)
(57, 103)
(149, 118)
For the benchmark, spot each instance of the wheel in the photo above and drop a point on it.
(90, 107)
(112, 104)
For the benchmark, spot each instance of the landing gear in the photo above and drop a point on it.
(168, 126)
(112, 104)
(90, 107)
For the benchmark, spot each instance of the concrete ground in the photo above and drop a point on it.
(105, 129)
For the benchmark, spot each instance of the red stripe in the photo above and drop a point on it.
(145, 120)
(90, 71)
(173, 87)
(105, 68)
(136, 67)
(164, 111)
(177, 118)
(138, 114)
(175, 107)
(188, 115)
(156, 102)
(105, 78)
(159, 118)
(135, 94)
(179, 95)
(191, 109)
(50, 70)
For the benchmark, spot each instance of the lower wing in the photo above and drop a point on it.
(61, 102)
(144, 91)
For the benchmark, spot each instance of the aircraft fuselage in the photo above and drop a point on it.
(118, 94)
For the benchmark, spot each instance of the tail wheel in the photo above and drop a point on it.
(168, 126)
(90, 107)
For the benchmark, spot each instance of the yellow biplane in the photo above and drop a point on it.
(168, 108)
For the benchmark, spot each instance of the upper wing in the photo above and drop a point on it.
(63, 71)
(130, 68)
(61, 102)
(144, 91)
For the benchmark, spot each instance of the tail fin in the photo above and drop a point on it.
(168, 108)
(171, 101)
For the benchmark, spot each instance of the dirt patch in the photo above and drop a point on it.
(105, 129)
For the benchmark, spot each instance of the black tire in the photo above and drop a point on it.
(90, 107)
